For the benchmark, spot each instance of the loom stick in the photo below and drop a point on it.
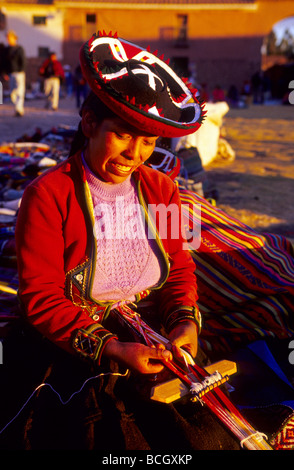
(173, 389)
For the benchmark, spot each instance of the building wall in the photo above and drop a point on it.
(145, 21)
(33, 37)
(223, 42)
(209, 55)
(36, 39)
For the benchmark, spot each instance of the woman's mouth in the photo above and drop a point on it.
(122, 169)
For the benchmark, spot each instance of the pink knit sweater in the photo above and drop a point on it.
(127, 262)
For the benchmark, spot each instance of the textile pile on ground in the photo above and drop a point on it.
(20, 163)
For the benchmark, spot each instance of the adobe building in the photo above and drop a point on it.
(217, 42)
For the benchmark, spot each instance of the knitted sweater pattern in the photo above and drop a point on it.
(127, 261)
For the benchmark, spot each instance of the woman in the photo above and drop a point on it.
(112, 156)
(84, 248)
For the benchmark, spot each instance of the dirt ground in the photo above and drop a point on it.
(257, 187)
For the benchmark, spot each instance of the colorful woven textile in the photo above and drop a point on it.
(8, 298)
(284, 438)
(245, 279)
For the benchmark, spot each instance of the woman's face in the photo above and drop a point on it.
(115, 149)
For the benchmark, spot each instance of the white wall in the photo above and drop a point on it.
(32, 37)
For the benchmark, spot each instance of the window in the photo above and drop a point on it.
(91, 18)
(166, 33)
(39, 20)
(75, 33)
(90, 26)
(43, 52)
(182, 31)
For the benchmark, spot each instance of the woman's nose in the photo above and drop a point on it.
(132, 152)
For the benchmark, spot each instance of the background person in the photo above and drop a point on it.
(81, 86)
(14, 70)
(53, 73)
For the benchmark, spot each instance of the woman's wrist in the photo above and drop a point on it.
(191, 323)
(113, 349)
(184, 314)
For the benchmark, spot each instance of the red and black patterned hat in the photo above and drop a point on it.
(140, 87)
(163, 159)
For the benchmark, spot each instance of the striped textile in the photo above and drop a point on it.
(284, 438)
(245, 279)
(8, 294)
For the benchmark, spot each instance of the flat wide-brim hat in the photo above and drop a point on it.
(166, 161)
(140, 87)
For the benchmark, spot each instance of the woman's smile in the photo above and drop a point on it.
(119, 168)
(116, 149)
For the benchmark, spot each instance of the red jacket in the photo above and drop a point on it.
(56, 252)
(51, 68)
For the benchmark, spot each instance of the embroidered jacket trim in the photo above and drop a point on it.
(90, 342)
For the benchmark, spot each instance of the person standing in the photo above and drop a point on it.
(81, 86)
(52, 71)
(14, 71)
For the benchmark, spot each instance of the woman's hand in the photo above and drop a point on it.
(185, 336)
(151, 360)
(137, 356)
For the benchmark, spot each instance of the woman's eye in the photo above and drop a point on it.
(122, 136)
(149, 143)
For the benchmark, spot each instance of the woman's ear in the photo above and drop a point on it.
(89, 123)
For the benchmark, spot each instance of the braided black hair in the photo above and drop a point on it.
(101, 112)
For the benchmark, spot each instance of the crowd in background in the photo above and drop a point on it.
(55, 80)
(58, 80)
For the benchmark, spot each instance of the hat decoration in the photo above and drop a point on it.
(140, 87)
(166, 161)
